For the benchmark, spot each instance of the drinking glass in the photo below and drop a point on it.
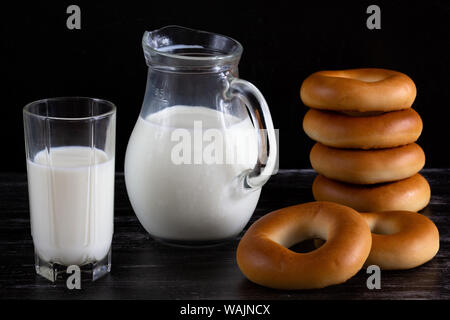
(70, 146)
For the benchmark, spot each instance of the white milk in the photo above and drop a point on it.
(71, 202)
(190, 201)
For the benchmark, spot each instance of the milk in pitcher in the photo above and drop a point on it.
(184, 193)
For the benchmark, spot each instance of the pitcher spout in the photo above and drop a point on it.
(176, 47)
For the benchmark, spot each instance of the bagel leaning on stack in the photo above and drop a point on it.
(391, 240)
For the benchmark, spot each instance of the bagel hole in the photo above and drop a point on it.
(363, 78)
(382, 229)
(306, 246)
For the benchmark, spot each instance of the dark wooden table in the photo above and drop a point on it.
(145, 269)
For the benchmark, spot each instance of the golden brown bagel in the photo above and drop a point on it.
(411, 194)
(367, 166)
(264, 258)
(358, 90)
(401, 239)
(387, 130)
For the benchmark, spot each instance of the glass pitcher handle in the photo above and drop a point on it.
(262, 120)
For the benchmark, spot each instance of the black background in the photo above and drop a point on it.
(283, 43)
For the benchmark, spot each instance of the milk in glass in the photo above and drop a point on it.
(71, 193)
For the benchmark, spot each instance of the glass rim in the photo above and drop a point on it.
(110, 112)
(214, 58)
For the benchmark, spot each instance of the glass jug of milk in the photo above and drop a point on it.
(204, 143)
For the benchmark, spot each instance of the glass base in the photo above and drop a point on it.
(55, 271)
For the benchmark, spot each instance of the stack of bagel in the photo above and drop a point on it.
(365, 129)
